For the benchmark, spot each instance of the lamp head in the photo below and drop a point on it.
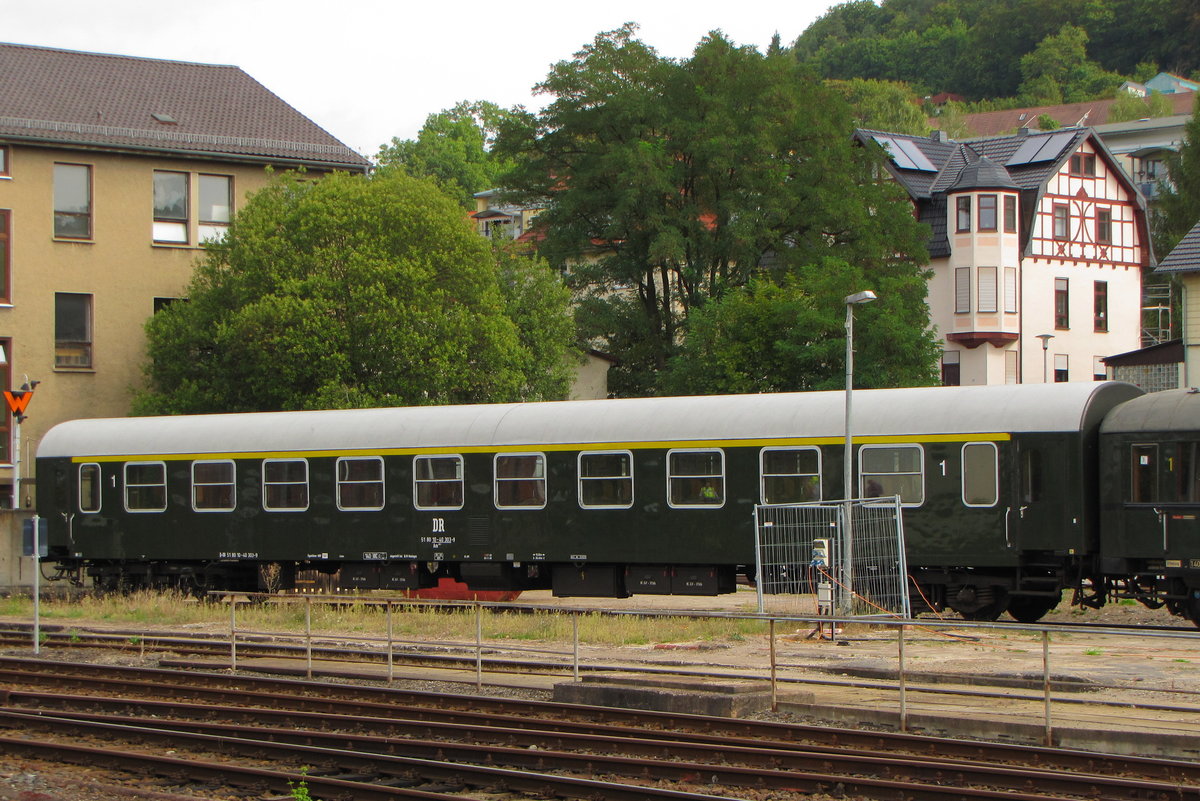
(866, 296)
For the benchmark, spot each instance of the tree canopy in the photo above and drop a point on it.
(1177, 207)
(348, 291)
(670, 185)
(454, 148)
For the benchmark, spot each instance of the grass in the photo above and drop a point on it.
(409, 622)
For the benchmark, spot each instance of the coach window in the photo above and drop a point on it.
(606, 480)
(438, 482)
(1187, 472)
(285, 485)
(696, 478)
(790, 475)
(145, 487)
(980, 474)
(213, 486)
(1031, 476)
(360, 484)
(520, 481)
(1145, 473)
(888, 470)
(89, 488)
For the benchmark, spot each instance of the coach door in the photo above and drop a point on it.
(1025, 510)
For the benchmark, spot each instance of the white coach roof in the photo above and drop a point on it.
(916, 412)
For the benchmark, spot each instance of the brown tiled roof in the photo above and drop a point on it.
(71, 97)
(1093, 112)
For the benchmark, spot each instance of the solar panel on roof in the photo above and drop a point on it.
(1040, 148)
(919, 159)
(898, 156)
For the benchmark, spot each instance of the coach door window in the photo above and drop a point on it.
(1145, 473)
(1187, 473)
(790, 475)
(89, 488)
(888, 470)
(980, 476)
(438, 482)
(606, 480)
(696, 478)
(285, 485)
(521, 481)
(213, 486)
(360, 484)
(145, 487)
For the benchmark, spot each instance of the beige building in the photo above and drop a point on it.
(113, 173)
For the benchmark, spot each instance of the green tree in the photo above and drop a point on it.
(350, 291)
(883, 106)
(672, 183)
(1059, 71)
(1177, 206)
(454, 148)
(1129, 106)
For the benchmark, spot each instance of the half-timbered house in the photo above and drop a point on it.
(1037, 245)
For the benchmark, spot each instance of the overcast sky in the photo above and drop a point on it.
(368, 70)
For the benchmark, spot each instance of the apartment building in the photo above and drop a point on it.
(114, 172)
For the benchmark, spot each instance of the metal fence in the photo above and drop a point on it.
(813, 559)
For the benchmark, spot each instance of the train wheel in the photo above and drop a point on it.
(979, 603)
(1193, 607)
(1030, 608)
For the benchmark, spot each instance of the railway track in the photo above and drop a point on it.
(365, 742)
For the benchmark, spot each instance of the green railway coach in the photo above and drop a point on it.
(603, 498)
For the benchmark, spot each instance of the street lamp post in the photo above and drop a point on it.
(1045, 351)
(847, 543)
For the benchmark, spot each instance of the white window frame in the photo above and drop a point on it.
(172, 230)
(893, 446)
(339, 483)
(762, 472)
(582, 479)
(232, 484)
(99, 488)
(125, 494)
(987, 290)
(496, 479)
(672, 477)
(265, 484)
(995, 474)
(417, 482)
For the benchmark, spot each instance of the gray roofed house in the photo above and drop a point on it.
(1184, 263)
(1037, 242)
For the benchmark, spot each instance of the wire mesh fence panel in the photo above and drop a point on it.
(802, 552)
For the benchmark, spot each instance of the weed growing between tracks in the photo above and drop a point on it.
(409, 621)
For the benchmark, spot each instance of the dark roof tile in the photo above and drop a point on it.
(1185, 258)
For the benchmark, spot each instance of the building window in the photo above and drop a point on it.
(1104, 226)
(980, 474)
(521, 481)
(963, 205)
(1062, 221)
(1099, 370)
(145, 487)
(285, 485)
(987, 289)
(962, 290)
(360, 484)
(438, 482)
(6, 383)
(1062, 305)
(987, 212)
(72, 330)
(1010, 290)
(5, 255)
(4, 160)
(216, 204)
(1083, 164)
(1011, 373)
(89, 488)
(606, 480)
(696, 478)
(892, 470)
(951, 371)
(73, 201)
(1100, 306)
(1010, 214)
(213, 488)
(1060, 368)
(790, 475)
(171, 207)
